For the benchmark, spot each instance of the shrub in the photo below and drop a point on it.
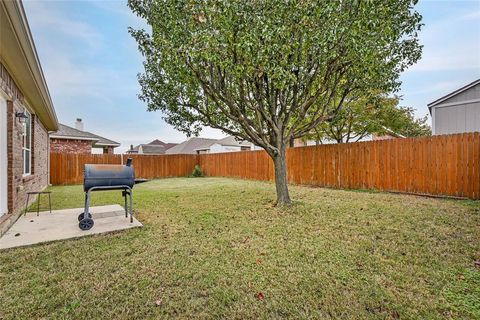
(197, 172)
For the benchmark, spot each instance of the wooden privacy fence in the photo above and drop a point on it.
(68, 168)
(447, 165)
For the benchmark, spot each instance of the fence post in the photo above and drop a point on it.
(437, 165)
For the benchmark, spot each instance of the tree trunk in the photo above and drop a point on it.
(280, 163)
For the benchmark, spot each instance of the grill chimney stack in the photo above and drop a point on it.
(79, 124)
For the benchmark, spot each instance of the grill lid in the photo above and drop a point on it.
(107, 175)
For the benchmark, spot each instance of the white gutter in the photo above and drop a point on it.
(21, 61)
(108, 144)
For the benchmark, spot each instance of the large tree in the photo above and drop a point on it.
(360, 117)
(257, 69)
(402, 120)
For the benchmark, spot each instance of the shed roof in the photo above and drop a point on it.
(452, 94)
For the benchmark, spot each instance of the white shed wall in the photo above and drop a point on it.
(457, 118)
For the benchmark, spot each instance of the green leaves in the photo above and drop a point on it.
(363, 116)
(265, 71)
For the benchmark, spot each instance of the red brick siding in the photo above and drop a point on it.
(8, 85)
(107, 150)
(38, 180)
(70, 146)
(18, 185)
(299, 143)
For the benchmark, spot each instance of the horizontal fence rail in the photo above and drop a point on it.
(68, 168)
(447, 165)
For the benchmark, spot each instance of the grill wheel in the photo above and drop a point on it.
(86, 224)
(82, 215)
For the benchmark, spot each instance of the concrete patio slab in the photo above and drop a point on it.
(63, 224)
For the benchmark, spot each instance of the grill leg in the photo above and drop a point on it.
(26, 204)
(126, 205)
(87, 205)
(50, 202)
(131, 205)
(38, 204)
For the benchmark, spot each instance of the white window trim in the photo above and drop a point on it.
(3, 154)
(30, 146)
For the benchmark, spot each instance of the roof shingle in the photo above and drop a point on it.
(190, 146)
(66, 132)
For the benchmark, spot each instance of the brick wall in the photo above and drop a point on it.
(70, 146)
(18, 185)
(107, 150)
(38, 179)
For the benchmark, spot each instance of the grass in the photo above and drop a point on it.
(218, 248)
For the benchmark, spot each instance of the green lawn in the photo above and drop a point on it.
(219, 248)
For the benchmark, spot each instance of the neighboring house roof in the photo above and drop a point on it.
(133, 150)
(19, 56)
(232, 141)
(152, 149)
(206, 146)
(390, 132)
(66, 132)
(228, 141)
(166, 145)
(452, 94)
(104, 142)
(157, 142)
(189, 146)
(170, 145)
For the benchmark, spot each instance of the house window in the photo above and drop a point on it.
(27, 144)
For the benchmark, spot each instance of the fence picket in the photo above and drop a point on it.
(438, 165)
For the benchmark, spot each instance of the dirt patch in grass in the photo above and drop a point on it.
(218, 248)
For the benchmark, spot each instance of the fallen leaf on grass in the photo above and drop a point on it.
(260, 296)
(359, 265)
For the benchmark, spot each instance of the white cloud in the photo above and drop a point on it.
(475, 15)
(439, 87)
(47, 16)
(69, 78)
(69, 49)
(124, 11)
(435, 58)
(450, 43)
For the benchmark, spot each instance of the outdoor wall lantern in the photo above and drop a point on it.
(21, 116)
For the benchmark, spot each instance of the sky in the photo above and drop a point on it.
(91, 63)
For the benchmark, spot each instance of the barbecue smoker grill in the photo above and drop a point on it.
(98, 177)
